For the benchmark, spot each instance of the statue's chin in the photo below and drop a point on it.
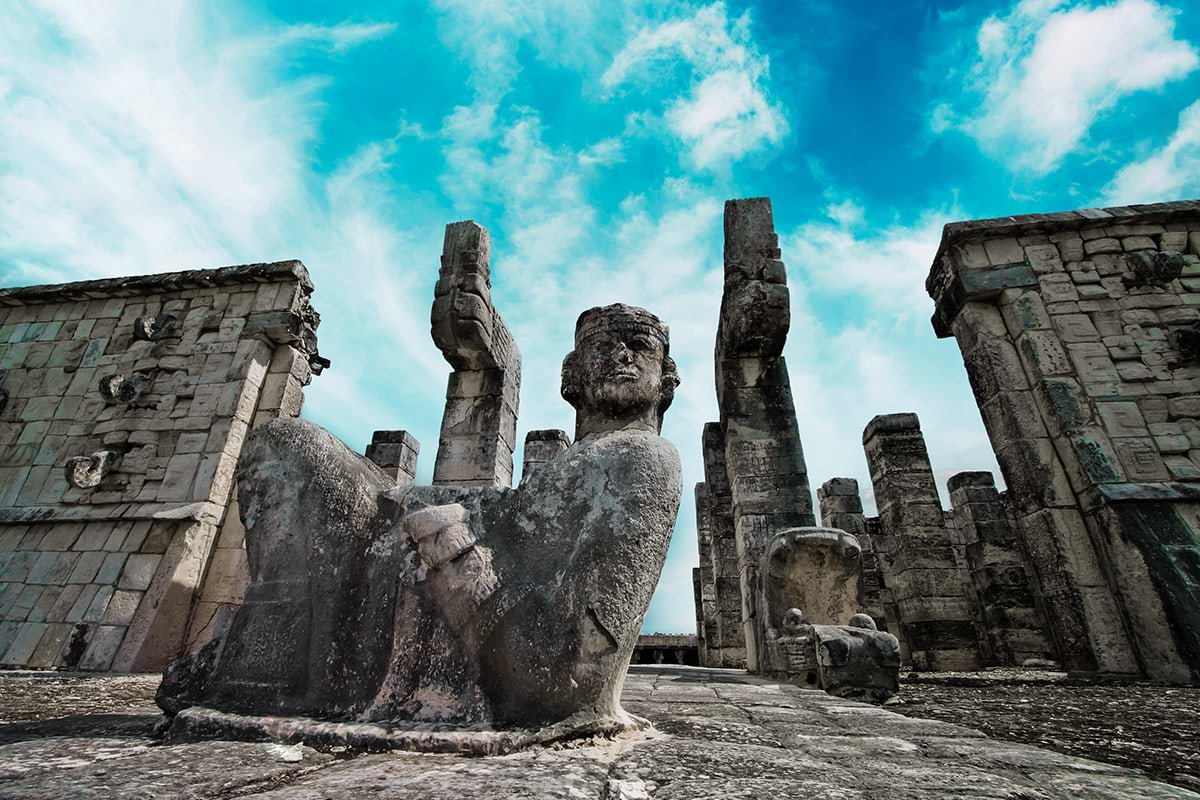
(622, 398)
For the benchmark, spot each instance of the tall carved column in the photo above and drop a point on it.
(480, 420)
(764, 460)
(935, 612)
(704, 588)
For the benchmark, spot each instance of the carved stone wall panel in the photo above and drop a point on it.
(129, 401)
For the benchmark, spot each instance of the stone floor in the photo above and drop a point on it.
(1139, 725)
(719, 734)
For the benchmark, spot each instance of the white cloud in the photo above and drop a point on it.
(1047, 71)
(884, 265)
(727, 112)
(1170, 173)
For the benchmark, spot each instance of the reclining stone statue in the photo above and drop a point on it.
(449, 617)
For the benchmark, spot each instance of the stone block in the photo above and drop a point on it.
(122, 607)
(1076, 328)
(1141, 459)
(1103, 245)
(139, 571)
(95, 610)
(102, 648)
(87, 566)
(24, 644)
(1070, 248)
(181, 472)
(1004, 251)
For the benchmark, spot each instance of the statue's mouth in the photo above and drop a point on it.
(627, 374)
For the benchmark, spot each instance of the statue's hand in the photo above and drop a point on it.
(441, 533)
(462, 571)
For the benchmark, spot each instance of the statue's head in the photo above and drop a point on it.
(620, 373)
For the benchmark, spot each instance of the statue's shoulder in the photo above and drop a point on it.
(641, 450)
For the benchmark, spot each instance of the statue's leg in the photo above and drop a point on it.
(315, 628)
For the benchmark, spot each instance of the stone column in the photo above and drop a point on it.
(480, 420)
(841, 507)
(728, 646)
(705, 586)
(764, 460)
(542, 446)
(935, 613)
(1008, 600)
(395, 452)
(698, 601)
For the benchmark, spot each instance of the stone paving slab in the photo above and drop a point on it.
(719, 734)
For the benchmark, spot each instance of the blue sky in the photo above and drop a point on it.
(597, 141)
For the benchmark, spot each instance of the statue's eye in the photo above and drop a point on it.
(640, 344)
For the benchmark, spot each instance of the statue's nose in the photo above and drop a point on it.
(623, 353)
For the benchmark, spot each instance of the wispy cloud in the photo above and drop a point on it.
(1171, 172)
(1045, 72)
(727, 112)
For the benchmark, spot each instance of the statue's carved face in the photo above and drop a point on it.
(621, 372)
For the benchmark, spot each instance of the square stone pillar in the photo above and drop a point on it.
(727, 643)
(935, 613)
(542, 446)
(395, 452)
(1008, 600)
(841, 507)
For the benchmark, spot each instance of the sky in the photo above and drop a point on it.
(597, 142)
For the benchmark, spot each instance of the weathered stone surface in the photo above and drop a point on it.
(421, 606)
(541, 447)
(817, 570)
(841, 508)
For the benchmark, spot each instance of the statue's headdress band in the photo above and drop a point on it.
(619, 317)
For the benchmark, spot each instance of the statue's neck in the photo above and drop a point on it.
(589, 423)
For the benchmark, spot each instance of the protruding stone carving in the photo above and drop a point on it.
(444, 612)
(151, 329)
(86, 472)
(118, 389)
(816, 569)
(542, 447)
(395, 452)
(480, 420)
(1153, 268)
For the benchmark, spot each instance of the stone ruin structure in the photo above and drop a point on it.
(466, 615)
(1079, 333)
(124, 404)
(797, 585)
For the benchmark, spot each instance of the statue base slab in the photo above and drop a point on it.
(200, 723)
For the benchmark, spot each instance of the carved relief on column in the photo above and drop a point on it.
(480, 419)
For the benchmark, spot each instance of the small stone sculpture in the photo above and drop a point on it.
(86, 472)
(477, 618)
(151, 329)
(854, 660)
(1152, 268)
(117, 389)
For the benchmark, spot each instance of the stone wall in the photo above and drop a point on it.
(123, 407)
(1079, 334)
